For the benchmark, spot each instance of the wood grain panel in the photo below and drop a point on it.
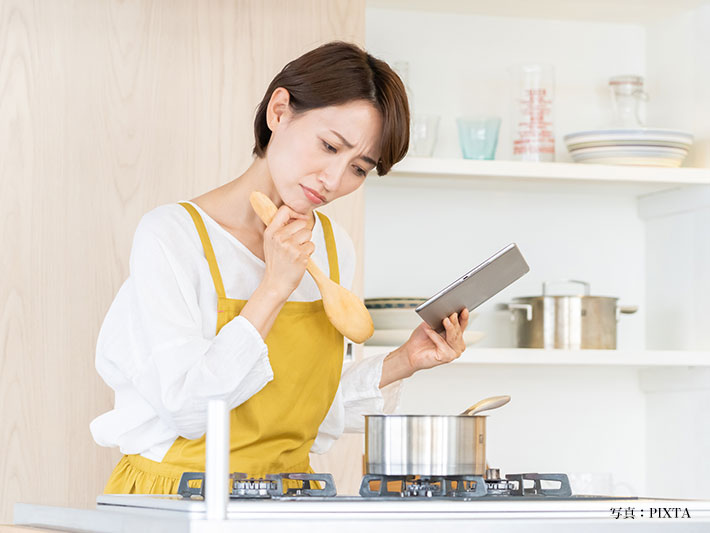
(108, 109)
(4, 528)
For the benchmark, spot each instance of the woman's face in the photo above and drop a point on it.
(322, 154)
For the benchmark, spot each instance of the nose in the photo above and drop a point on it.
(332, 176)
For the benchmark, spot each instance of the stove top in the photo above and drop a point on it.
(373, 487)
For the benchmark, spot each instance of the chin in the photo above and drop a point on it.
(299, 205)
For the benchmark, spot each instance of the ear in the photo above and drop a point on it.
(278, 108)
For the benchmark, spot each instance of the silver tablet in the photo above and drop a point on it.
(475, 287)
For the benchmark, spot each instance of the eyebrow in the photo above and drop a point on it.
(349, 145)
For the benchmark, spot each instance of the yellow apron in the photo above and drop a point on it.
(273, 431)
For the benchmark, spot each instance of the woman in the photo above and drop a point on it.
(217, 305)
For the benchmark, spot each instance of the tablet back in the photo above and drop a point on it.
(475, 287)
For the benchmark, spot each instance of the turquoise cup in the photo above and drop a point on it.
(478, 136)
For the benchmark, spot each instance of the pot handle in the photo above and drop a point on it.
(585, 284)
(625, 309)
(513, 307)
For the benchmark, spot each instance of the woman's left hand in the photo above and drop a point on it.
(426, 348)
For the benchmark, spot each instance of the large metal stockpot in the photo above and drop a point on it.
(567, 321)
(425, 445)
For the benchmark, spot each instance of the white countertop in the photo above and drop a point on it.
(157, 514)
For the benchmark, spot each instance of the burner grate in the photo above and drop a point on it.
(423, 486)
(530, 485)
(564, 490)
(272, 485)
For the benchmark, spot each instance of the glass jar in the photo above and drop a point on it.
(423, 128)
(628, 101)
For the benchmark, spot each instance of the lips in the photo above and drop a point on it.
(312, 195)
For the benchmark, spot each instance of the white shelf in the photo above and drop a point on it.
(627, 358)
(629, 12)
(633, 179)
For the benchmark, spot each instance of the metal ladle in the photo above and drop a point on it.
(488, 403)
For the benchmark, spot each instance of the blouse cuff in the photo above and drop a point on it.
(240, 332)
(389, 394)
(362, 394)
(236, 329)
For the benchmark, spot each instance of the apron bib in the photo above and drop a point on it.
(273, 431)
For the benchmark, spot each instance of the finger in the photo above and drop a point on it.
(451, 326)
(301, 236)
(455, 338)
(281, 218)
(454, 319)
(433, 335)
(436, 339)
(308, 248)
(301, 253)
(441, 345)
(293, 226)
(464, 318)
(453, 333)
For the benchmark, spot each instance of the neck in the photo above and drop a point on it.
(229, 204)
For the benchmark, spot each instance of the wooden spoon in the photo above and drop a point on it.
(484, 405)
(344, 309)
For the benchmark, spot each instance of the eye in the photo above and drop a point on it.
(329, 147)
(360, 172)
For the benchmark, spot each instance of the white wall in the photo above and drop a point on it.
(678, 400)
(678, 268)
(678, 274)
(679, 77)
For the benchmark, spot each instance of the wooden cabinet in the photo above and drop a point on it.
(108, 109)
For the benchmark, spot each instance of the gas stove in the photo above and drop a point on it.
(515, 503)
(373, 486)
(219, 502)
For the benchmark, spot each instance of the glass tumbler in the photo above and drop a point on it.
(478, 136)
(533, 88)
(422, 136)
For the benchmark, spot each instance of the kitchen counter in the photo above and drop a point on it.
(157, 514)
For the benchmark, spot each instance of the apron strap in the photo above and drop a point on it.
(212, 260)
(207, 246)
(330, 247)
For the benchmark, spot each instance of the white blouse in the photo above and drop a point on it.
(158, 351)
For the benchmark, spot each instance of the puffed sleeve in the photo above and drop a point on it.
(359, 392)
(152, 341)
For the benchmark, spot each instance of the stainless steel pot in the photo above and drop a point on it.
(567, 322)
(425, 445)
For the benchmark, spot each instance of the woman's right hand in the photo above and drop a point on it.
(287, 249)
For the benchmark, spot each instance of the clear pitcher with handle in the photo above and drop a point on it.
(628, 101)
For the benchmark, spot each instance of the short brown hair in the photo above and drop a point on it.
(337, 73)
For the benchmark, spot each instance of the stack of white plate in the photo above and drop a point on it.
(395, 319)
(646, 146)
